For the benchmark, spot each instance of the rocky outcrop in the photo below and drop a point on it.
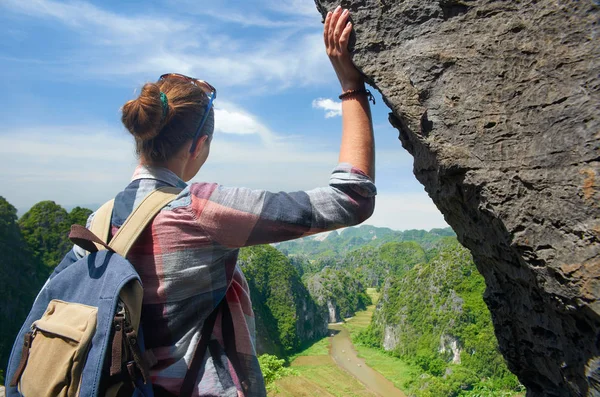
(339, 292)
(498, 102)
(334, 312)
(450, 345)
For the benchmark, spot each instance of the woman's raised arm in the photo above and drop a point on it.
(358, 145)
(237, 217)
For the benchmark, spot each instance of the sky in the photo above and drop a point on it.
(68, 67)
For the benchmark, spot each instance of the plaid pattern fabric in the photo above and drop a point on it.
(187, 262)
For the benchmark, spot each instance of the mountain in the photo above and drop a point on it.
(21, 276)
(374, 264)
(29, 249)
(371, 265)
(45, 228)
(337, 243)
(286, 316)
(433, 315)
(338, 290)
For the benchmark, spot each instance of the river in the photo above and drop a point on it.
(343, 353)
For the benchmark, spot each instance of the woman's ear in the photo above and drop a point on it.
(199, 146)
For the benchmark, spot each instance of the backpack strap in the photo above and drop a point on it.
(131, 295)
(230, 346)
(141, 216)
(123, 240)
(101, 222)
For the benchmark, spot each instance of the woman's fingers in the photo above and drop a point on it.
(345, 37)
(337, 35)
(339, 26)
(337, 32)
(332, 25)
(326, 31)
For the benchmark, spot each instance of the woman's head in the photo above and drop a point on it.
(164, 127)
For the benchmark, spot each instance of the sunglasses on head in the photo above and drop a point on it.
(208, 90)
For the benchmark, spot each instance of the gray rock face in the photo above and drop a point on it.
(498, 102)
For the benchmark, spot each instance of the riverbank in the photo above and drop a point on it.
(344, 354)
(392, 368)
(333, 367)
(318, 375)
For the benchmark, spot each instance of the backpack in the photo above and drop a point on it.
(82, 336)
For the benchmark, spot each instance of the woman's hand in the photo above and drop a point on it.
(337, 33)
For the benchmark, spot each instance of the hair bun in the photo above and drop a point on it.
(143, 117)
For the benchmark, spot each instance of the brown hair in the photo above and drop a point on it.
(158, 138)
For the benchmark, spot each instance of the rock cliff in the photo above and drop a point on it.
(286, 316)
(339, 292)
(498, 103)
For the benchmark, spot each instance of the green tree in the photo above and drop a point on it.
(46, 227)
(79, 216)
(21, 276)
(273, 368)
(435, 313)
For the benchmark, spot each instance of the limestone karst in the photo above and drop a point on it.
(498, 103)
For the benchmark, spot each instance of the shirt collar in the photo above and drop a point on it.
(159, 173)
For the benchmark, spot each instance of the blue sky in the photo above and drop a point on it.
(68, 66)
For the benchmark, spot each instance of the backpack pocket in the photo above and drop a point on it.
(59, 344)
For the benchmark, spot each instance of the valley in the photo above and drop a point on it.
(359, 312)
(337, 350)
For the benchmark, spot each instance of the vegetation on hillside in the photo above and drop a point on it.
(21, 276)
(337, 244)
(286, 315)
(29, 249)
(375, 265)
(45, 228)
(434, 316)
(338, 290)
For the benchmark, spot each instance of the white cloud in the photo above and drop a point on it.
(293, 7)
(331, 107)
(231, 119)
(109, 45)
(403, 211)
(86, 17)
(85, 165)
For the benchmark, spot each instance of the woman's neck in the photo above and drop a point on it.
(174, 165)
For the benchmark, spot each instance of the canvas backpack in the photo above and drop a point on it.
(82, 336)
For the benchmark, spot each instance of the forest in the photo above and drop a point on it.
(430, 314)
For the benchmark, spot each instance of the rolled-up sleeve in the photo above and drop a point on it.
(237, 217)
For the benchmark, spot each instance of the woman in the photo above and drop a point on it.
(187, 258)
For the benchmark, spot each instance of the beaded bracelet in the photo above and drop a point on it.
(352, 93)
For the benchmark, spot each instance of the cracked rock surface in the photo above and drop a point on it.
(498, 102)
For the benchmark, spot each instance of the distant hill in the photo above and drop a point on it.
(337, 243)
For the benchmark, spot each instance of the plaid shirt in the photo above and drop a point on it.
(187, 262)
